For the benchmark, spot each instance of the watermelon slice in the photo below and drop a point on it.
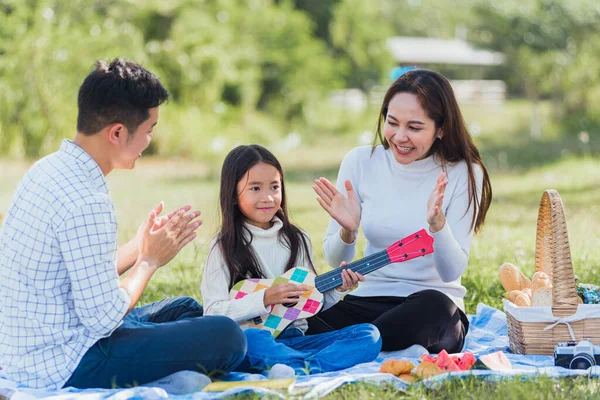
(428, 358)
(496, 362)
(466, 361)
(445, 362)
(454, 362)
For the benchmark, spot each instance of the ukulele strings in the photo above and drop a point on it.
(370, 263)
(374, 258)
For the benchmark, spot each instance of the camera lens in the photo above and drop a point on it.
(582, 361)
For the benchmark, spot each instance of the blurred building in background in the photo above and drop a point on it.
(427, 52)
(422, 52)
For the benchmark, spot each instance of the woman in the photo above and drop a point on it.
(422, 171)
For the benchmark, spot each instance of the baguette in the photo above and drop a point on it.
(512, 278)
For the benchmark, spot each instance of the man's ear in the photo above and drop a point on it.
(117, 133)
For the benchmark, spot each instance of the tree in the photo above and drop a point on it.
(43, 46)
(259, 59)
(359, 31)
(541, 40)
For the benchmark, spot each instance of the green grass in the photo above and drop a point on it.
(508, 235)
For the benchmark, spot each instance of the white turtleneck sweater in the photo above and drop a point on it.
(393, 199)
(273, 257)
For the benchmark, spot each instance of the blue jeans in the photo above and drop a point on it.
(160, 339)
(325, 352)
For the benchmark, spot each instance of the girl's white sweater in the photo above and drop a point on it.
(273, 256)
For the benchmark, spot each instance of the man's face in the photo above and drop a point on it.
(134, 144)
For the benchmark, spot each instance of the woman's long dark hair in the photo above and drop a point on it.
(234, 238)
(437, 99)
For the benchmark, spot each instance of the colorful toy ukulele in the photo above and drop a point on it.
(281, 315)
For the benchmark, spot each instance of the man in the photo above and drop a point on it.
(65, 317)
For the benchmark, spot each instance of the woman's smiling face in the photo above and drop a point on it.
(408, 130)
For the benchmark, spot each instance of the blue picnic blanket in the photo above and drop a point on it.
(487, 334)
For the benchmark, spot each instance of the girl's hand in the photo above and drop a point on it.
(349, 278)
(346, 211)
(435, 216)
(284, 293)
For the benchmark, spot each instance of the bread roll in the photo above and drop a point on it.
(540, 274)
(514, 294)
(512, 278)
(522, 300)
(541, 283)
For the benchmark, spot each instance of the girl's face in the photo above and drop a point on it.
(408, 129)
(259, 194)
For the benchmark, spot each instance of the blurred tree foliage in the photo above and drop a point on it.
(237, 59)
(251, 70)
(551, 49)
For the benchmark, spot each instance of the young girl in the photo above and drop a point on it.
(257, 240)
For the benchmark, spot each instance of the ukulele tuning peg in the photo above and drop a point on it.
(400, 244)
(406, 256)
(422, 250)
(417, 236)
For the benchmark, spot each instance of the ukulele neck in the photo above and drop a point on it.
(333, 279)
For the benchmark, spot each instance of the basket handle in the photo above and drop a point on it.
(553, 254)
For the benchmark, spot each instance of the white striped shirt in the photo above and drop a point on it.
(59, 287)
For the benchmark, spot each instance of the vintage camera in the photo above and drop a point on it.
(574, 355)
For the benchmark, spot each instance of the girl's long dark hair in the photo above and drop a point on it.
(437, 99)
(234, 238)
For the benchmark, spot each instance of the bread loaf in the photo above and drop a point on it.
(512, 278)
(542, 297)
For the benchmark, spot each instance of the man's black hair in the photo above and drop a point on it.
(117, 92)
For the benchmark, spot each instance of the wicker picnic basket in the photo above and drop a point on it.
(567, 320)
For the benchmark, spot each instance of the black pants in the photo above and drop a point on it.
(429, 318)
